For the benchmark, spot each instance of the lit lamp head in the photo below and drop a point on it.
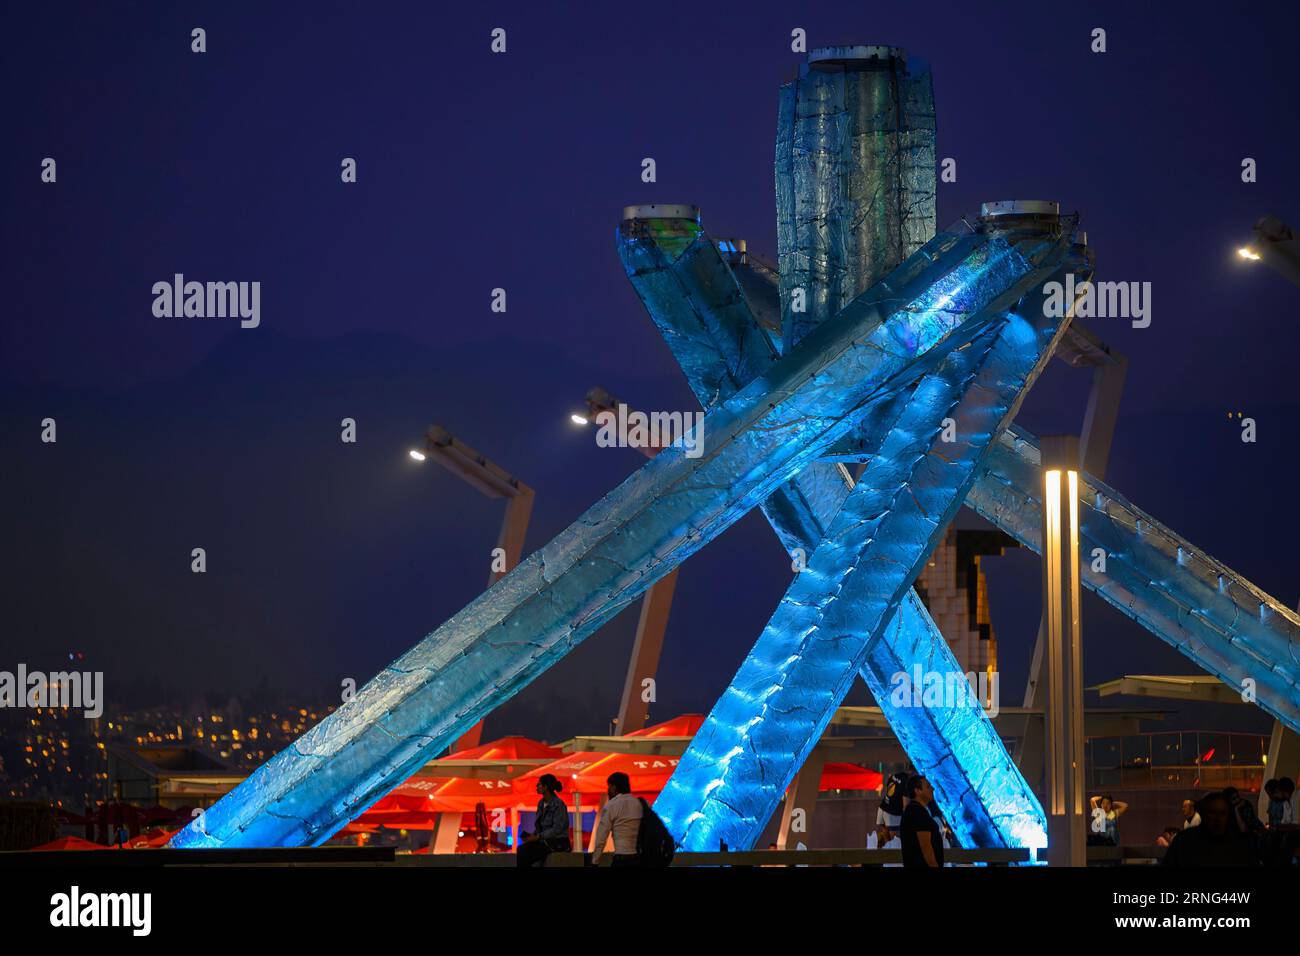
(598, 400)
(1059, 454)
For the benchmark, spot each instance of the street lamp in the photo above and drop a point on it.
(643, 664)
(1067, 840)
(600, 401)
(1277, 246)
(495, 482)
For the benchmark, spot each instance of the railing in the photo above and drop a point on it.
(1176, 760)
(1149, 853)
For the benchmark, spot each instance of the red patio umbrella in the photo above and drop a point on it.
(685, 725)
(447, 795)
(396, 819)
(71, 843)
(848, 776)
(586, 772)
(151, 839)
(508, 748)
(427, 795)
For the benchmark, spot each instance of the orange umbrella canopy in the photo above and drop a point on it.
(415, 803)
(70, 843)
(449, 795)
(649, 773)
(587, 772)
(849, 776)
(684, 726)
(151, 839)
(412, 803)
(508, 748)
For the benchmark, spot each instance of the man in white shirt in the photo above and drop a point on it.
(621, 818)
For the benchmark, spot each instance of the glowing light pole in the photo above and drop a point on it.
(1066, 833)
(652, 625)
(495, 482)
(1275, 244)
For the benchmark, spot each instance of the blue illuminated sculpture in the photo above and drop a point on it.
(880, 343)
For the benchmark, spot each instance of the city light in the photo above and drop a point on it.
(417, 455)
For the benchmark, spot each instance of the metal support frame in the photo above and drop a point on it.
(652, 625)
(801, 796)
(494, 482)
(1080, 348)
(643, 663)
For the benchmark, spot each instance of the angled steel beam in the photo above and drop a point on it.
(669, 279)
(831, 622)
(495, 482)
(1213, 615)
(656, 605)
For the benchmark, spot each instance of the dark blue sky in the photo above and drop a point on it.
(477, 171)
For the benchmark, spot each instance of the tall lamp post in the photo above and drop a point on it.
(1276, 244)
(494, 482)
(1066, 834)
(633, 709)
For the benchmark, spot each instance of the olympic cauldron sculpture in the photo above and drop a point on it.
(878, 339)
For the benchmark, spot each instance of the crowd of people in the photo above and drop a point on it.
(1220, 829)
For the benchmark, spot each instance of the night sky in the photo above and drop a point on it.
(475, 171)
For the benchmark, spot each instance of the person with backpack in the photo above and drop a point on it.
(620, 818)
(889, 815)
(654, 844)
(640, 837)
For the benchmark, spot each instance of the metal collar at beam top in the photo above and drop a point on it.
(860, 54)
(662, 210)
